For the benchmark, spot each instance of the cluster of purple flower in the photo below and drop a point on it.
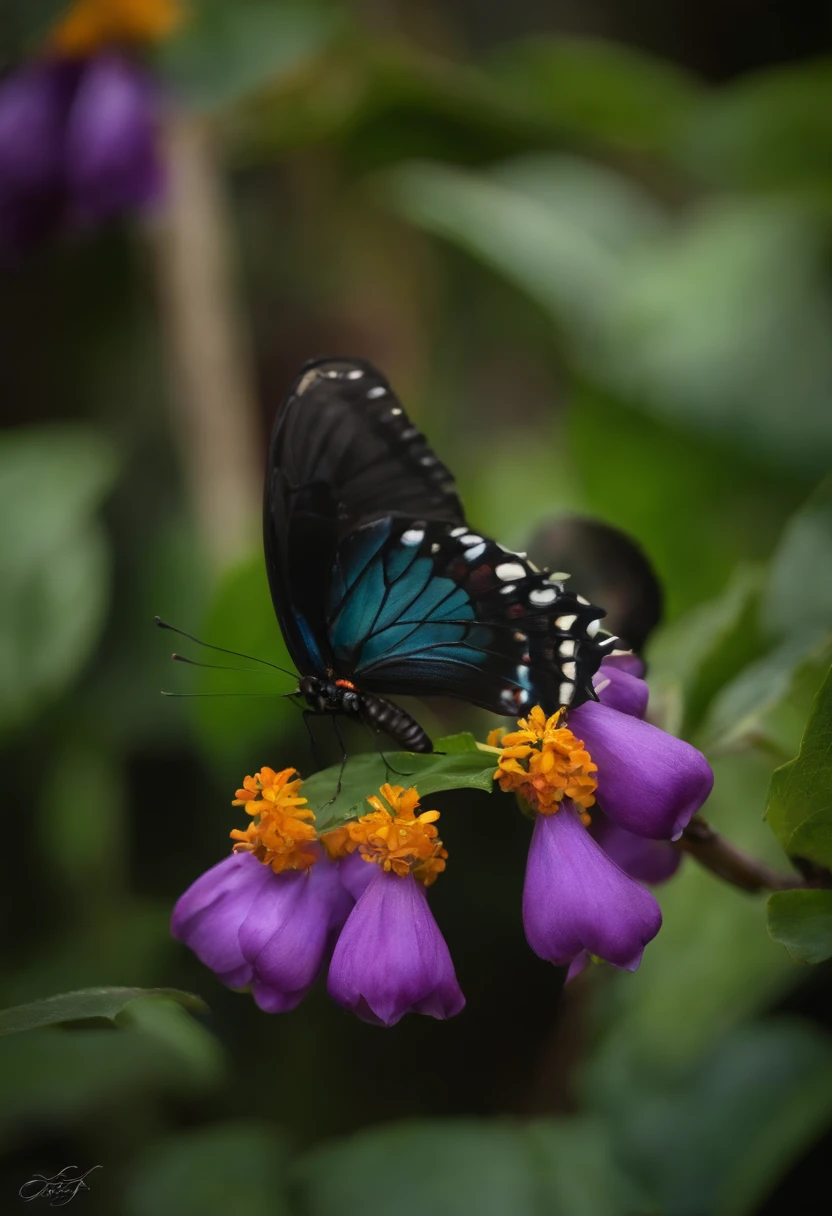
(79, 124)
(270, 915)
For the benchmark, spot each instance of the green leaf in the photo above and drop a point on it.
(721, 1134)
(228, 50)
(462, 742)
(54, 561)
(697, 980)
(543, 1168)
(56, 1076)
(799, 804)
(802, 922)
(363, 775)
(691, 658)
(165, 1019)
(737, 715)
(769, 130)
(674, 321)
(688, 330)
(555, 226)
(797, 597)
(88, 1003)
(604, 92)
(237, 1167)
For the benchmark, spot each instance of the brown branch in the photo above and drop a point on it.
(212, 395)
(733, 865)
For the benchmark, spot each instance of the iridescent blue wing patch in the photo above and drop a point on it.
(430, 608)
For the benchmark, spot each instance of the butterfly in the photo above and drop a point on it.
(382, 587)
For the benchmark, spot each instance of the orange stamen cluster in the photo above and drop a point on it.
(90, 25)
(282, 833)
(393, 836)
(545, 763)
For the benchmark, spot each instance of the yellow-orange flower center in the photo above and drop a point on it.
(90, 25)
(282, 833)
(544, 762)
(394, 836)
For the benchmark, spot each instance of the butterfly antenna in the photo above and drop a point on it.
(181, 658)
(222, 649)
(228, 694)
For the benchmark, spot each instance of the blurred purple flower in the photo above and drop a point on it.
(260, 929)
(78, 143)
(391, 958)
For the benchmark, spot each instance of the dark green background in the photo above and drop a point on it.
(590, 247)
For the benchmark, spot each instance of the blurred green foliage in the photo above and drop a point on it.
(602, 287)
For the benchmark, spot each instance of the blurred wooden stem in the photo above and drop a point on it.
(211, 395)
(728, 862)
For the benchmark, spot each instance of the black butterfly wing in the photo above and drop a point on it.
(343, 453)
(430, 608)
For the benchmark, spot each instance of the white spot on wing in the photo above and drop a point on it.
(510, 570)
(459, 531)
(560, 577)
(435, 548)
(306, 381)
(565, 622)
(592, 628)
(469, 539)
(508, 590)
(581, 600)
(413, 536)
(355, 374)
(475, 551)
(570, 670)
(542, 595)
(378, 390)
(567, 648)
(565, 693)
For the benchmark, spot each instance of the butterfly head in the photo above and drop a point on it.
(329, 696)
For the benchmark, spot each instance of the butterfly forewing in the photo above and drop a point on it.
(376, 577)
(343, 452)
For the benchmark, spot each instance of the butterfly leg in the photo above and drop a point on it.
(387, 765)
(337, 730)
(307, 714)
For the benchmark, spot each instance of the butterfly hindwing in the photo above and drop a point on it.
(429, 608)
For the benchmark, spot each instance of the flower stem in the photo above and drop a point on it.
(733, 865)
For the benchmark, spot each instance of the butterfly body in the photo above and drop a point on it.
(380, 584)
(343, 698)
